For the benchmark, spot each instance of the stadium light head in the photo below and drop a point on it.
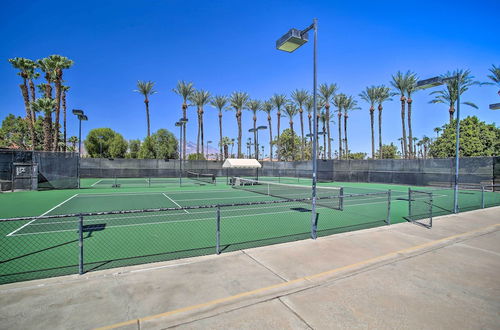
(178, 124)
(262, 127)
(83, 117)
(183, 120)
(291, 40)
(431, 82)
(77, 112)
(251, 130)
(495, 106)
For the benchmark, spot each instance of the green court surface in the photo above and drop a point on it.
(38, 248)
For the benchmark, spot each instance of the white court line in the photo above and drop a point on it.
(26, 224)
(229, 191)
(174, 202)
(95, 183)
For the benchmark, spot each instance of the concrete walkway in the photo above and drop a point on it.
(399, 276)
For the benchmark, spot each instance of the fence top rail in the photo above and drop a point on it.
(166, 209)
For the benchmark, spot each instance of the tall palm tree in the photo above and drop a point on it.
(238, 102)
(224, 143)
(26, 67)
(460, 82)
(58, 64)
(437, 130)
(47, 67)
(254, 106)
(232, 145)
(300, 97)
(494, 77)
(323, 119)
(146, 89)
(370, 96)
(383, 95)
(64, 89)
(219, 102)
(338, 102)
(73, 140)
(291, 111)
(200, 98)
(46, 106)
(184, 90)
(268, 107)
(400, 83)
(401, 142)
(327, 91)
(411, 88)
(425, 142)
(350, 104)
(309, 105)
(279, 101)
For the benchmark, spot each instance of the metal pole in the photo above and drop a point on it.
(79, 150)
(457, 149)
(389, 207)
(80, 245)
(431, 201)
(482, 196)
(315, 133)
(217, 231)
(180, 153)
(409, 204)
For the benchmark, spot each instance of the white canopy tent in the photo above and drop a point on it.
(243, 167)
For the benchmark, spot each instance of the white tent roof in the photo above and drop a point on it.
(241, 163)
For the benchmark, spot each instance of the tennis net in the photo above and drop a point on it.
(203, 177)
(330, 197)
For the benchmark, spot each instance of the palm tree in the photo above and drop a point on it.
(58, 64)
(146, 89)
(460, 82)
(309, 105)
(219, 102)
(200, 98)
(232, 145)
(291, 110)
(47, 67)
(73, 140)
(370, 95)
(64, 89)
(400, 83)
(326, 93)
(401, 142)
(224, 143)
(494, 76)
(425, 142)
(278, 100)
(239, 101)
(185, 90)
(414, 148)
(300, 97)
(47, 106)
(411, 87)
(323, 118)
(338, 102)
(254, 106)
(350, 104)
(26, 67)
(383, 94)
(268, 107)
(437, 130)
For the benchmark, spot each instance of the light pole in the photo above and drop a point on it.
(292, 40)
(182, 126)
(208, 142)
(256, 139)
(437, 81)
(81, 116)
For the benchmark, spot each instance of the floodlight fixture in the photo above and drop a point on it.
(262, 127)
(495, 106)
(251, 130)
(429, 83)
(183, 120)
(291, 40)
(77, 112)
(178, 123)
(83, 117)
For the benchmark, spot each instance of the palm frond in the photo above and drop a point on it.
(184, 89)
(145, 88)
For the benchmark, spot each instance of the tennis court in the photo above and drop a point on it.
(187, 223)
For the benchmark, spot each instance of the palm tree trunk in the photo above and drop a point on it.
(324, 141)
(340, 133)
(380, 130)
(452, 112)
(238, 118)
(279, 123)
(410, 135)
(47, 131)
(27, 107)
(198, 135)
(345, 137)
(33, 99)
(55, 146)
(184, 115)
(302, 133)
(255, 147)
(226, 151)
(270, 138)
(64, 118)
(372, 131)
(405, 148)
(310, 127)
(293, 139)
(220, 134)
(327, 113)
(146, 102)
(202, 133)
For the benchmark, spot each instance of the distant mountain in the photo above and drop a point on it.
(191, 149)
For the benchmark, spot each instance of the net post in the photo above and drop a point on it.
(116, 181)
(80, 245)
(149, 182)
(409, 204)
(482, 196)
(389, 193)
(217, 231)
(341, 199)
(431, 200)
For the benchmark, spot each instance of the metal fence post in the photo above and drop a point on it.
(341, 199)
(482, 196)
(409, 204)
(80, 245)
(388, 221)
(430, 209)
(217, 231)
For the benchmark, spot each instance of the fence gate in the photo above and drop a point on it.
(24, 176)
(420, 207)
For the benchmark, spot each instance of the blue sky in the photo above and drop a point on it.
(224, 46)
